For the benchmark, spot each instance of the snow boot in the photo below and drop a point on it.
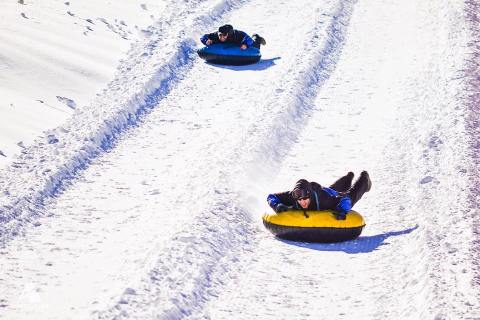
(362, 185)
(343, 184)
(366, 176)
(258, 40)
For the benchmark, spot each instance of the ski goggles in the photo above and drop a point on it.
(301, 194)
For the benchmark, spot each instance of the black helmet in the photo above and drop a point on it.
(302, 189)
(226, 29)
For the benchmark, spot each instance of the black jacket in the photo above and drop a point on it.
(237, 37)
(322, 198)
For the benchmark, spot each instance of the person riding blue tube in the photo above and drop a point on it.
(227, 34)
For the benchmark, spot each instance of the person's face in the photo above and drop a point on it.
(304, 202)
(223, 37)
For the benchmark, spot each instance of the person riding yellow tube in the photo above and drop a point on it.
(311, 212)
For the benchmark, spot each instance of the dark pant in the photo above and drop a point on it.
(358, 189)
(343, 184)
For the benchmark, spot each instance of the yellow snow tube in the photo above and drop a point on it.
(314, 226)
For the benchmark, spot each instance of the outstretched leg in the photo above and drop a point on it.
(257, 41)
(344, 183)
(362, 185)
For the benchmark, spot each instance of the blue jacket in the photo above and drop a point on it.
(322, 198)
(237, 37)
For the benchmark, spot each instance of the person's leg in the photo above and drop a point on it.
(362, 185)
(257, 41)
(344, 183)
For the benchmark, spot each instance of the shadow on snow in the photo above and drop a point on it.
(263, 64)
(359, 245)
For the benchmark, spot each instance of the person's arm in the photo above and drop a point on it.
(204, 39)
(341, 204)
(280, 202)
(344, 205)
(273, 201)
(241, 38)
(247, 41)
(208, 39)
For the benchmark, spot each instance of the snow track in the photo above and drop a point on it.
(473, 123)
(150, 71)
(147, 205)
(213, 229)
(225, 233)
(414, 259)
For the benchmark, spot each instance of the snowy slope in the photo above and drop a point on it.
(147, 204)
(55, 56)
(387, 110)
(152, 68)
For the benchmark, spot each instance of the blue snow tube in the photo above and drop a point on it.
(226, 53)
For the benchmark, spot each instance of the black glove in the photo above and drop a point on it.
(281, 208)
(340, 215)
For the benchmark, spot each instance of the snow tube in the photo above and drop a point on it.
(314, 226)
(221, 53)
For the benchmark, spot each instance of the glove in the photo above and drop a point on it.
(340, 215)
(281, 208)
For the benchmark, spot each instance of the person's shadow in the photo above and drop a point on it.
(359, 245)
(259, 66)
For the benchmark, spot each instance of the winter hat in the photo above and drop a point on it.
(302, 189)
(226, 29)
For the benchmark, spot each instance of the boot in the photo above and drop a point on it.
(344, 183)
(256, 38)
(366, 176)
(362, 185)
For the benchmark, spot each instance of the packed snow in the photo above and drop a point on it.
(55, 56)
(135, 174)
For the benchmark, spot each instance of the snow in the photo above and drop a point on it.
(137, 189)
(56, 56)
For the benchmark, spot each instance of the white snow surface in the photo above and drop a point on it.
(55, 56)
(138, 191)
